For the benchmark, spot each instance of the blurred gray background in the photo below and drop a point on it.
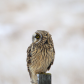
(64, 19)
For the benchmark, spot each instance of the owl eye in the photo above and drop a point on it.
(37, 36)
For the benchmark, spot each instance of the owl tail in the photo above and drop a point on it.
(34, 79)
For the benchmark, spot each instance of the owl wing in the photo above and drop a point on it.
(29, 59)
(50, 65)
(52, 60)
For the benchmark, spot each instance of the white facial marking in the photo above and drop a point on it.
(34, 39)
(34, 34)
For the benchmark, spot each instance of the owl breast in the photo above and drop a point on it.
(41, 58)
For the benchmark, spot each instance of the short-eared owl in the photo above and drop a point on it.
(40, 54)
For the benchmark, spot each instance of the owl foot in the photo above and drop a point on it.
(42, 73)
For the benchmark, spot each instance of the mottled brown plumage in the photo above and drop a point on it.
(40, 54)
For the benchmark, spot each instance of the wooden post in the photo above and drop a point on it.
(44, 78)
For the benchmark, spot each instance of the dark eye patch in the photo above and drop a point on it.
(37, 36)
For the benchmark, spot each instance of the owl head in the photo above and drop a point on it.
(41, 37)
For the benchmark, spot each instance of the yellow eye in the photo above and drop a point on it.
(37, 36)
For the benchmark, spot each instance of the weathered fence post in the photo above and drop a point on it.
(44, 78)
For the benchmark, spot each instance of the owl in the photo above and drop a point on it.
(40, 54)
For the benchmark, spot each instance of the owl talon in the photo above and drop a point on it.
(42, 72)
